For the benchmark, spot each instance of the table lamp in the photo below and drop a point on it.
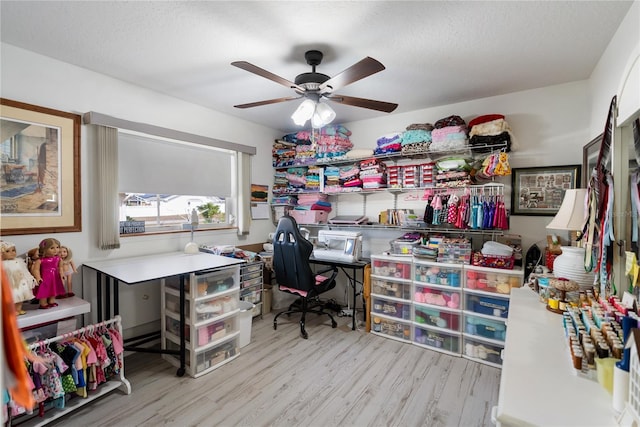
(571, 216)
(192, 247)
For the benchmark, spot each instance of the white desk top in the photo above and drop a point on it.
(538, 386)
(152, 267)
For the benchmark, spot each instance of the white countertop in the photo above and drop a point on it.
(150, 267)
(67, 307)
(538, 386)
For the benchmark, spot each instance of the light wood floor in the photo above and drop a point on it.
(337, 377)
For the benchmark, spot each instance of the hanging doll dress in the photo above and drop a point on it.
(51, 285)
(22, 282)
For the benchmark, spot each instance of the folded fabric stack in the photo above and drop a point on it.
(313, 176)
(314, 202)
(331, 142)
(452, 172)
(449, 134)
(489, 131)
(288, 200)
(280, 182)
(417, 138)
(305, 154)
(372, 174)
(350, 177)
(296, 179)
(359, 153)
(332, 179)
(283, 153)
(390, 143)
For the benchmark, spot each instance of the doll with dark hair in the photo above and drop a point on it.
(48, 273)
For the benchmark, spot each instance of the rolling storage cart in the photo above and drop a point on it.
(486, 307)
(391, 297)
(251, 285)
(437, 306)
(212, 324)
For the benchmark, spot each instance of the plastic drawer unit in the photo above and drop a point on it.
(391, 328)
(391, 267)
(442, 318)
(485, 327)
(487, 303)
(492, 279)
(212, 327)
(482, 351)
(391, 288)
(435, 273)
(439, 296)
(391, 307)
(251, 285)
(439, 340)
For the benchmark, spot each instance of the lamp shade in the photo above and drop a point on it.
(323, 115)
(572, 212)
(304, 112)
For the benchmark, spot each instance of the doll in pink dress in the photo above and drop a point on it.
(49, 274)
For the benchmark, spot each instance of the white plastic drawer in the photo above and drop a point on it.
(482, 351)
(391, 288)
(391, 308)
(392, 267)
(441, 296)
(436, 339)
(492, 279)
(438, 274)
(440, 318)
(390, 328)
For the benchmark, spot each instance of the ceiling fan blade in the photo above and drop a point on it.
(387, 107)
(266, 74)
(267, 102)
(357, 71)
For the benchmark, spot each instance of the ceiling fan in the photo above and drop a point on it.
(315, 86)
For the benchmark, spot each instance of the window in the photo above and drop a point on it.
(162, 181)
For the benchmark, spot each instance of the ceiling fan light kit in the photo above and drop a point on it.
(315, 86)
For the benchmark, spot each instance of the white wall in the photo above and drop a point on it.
(36, 79)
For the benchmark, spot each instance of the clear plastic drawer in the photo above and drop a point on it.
(391, 308)
(391, 328)
(432, 316)
(393, 267)
(438, 274)
(492, 280)
(437, 340)
(440, 296)
(391, 288)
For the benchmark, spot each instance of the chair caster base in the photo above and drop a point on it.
(303, 332)
(334, 325)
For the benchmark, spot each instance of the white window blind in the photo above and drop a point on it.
(157, 166)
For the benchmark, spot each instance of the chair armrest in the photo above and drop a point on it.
(334, 273)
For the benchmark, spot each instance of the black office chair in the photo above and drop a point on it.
(291, 252)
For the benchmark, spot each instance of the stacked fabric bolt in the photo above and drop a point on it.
(452, 172)
(449, 134)
(389, 143)
(305, 154)
(313, 177)
(372, 174)
(314, 202)
(288, 200)
(490, 130)
(417, 138)
(280, 182)
(283, 153)
(350, 177)
(332, 179)
(296, 179)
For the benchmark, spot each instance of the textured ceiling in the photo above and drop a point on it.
(435, 53)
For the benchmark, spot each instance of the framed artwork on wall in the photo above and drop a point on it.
(589, 158)
(539, 191)
(40, 169)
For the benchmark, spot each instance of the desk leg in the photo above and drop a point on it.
(99, 289)
(183, 341)
(116, 297)
(355, 285)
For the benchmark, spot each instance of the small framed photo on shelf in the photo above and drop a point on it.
(540, 190)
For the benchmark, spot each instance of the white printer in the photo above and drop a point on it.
(335, 245)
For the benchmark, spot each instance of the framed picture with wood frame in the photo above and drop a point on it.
(540, 190)
(40, 169)
(589, 158)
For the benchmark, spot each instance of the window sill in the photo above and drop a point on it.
(176, 231)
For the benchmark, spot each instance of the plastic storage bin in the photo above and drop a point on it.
(245, 317)
(397, 330)
(492, 280)
(391, 307)
(447, 342)
(486, 328)
(431, 316)
(438, 273)
(482, 351)
(309, 217)
(498, 307)
(392, 267)
(391, 288)
(440, 296)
